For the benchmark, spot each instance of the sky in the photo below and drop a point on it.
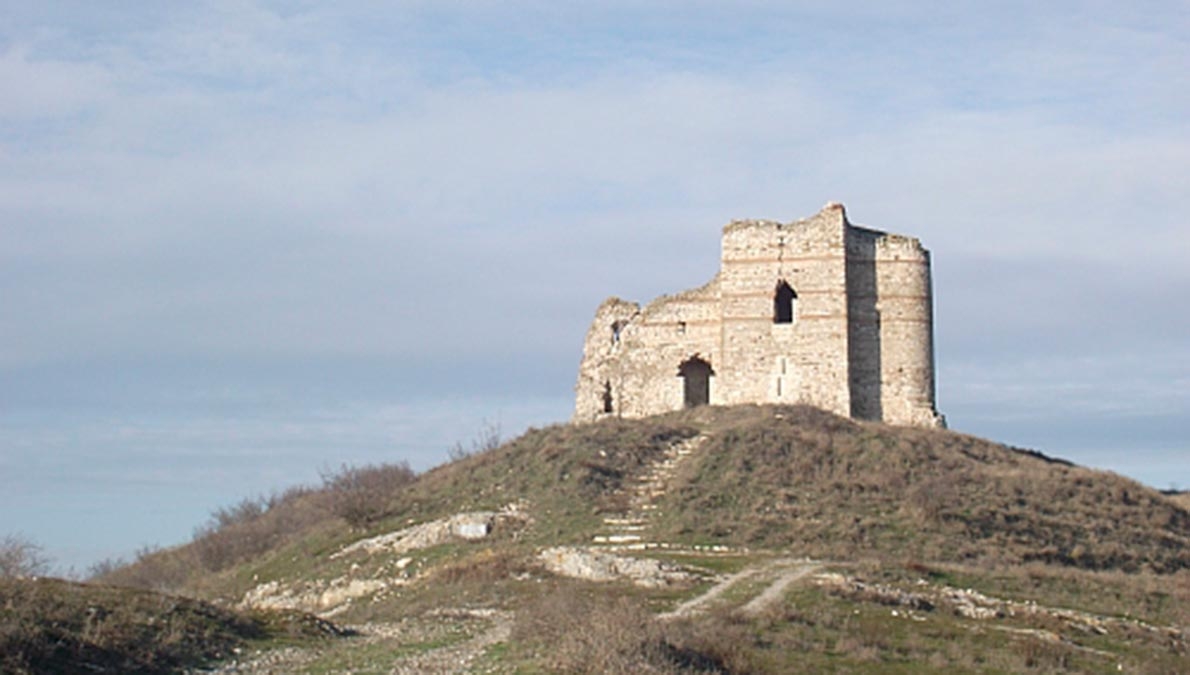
(244, 243)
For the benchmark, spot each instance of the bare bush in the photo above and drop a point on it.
(153, 569)
(576, 633)
(591, 635)
(104, 568)
(489, 438)
(256, 525)
(21, 557)
(723, 642)
(246, 511)
(233, 535)
(484, 568)
(361, 495)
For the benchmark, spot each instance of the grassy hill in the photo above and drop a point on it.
(58, 626)
(827, 486)
(745, 540)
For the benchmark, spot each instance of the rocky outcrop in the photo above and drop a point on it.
(596, 565)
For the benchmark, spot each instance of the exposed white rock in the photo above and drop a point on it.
(470, 526)
(596, 565)
(325, 598)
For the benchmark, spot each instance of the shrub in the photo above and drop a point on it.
(21, 557)
(577, 633)
(582, 634)
(361, 495)
(233, 535)
(105, 568)
(721, 642)
(256, 525)
(489, 439)
(157, 569)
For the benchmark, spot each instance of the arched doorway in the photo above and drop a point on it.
(696, 376)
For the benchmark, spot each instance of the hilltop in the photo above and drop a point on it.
(777, 477)
(743, 539)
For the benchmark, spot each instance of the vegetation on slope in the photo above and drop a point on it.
(569, 475)
(58, 626)
(915, 511)
(764, 477)
(804, 479)
(1180, 497)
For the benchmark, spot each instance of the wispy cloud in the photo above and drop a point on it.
(446, 192)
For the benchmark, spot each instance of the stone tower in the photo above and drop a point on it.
(816, 311)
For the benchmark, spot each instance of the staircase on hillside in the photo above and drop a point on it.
(627, 530)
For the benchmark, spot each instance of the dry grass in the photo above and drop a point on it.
(488, 566)
(831, 487)
(56, 626)
(1179, 497)
(569, 631)
(259, 526)
(570, 474)
(901, 505)
(790, 478)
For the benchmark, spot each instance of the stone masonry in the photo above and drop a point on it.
(817, 311)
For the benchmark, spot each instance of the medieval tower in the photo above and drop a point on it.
(816, 311)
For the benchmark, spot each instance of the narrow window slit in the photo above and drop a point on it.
(784, 303)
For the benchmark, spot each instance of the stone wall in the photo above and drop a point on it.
(816, 311)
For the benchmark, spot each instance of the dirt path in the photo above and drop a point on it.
(697, 603)
(458, 657)
(776, 590)
(783, 571)
(382, 641)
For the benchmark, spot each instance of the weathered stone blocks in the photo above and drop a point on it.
(816, 311)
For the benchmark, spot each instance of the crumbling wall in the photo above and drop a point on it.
(631, 356)
(815, 311)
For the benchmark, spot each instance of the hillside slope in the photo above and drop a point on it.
(798, 477)
(58, 626)
(802, 478)
(730, 540)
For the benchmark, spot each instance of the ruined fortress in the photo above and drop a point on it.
(816, 311)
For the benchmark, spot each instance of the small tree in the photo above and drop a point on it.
(21, 557)
(361, 495)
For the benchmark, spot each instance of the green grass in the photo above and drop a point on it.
(893, 506)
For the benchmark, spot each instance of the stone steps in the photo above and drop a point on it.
(628, 528)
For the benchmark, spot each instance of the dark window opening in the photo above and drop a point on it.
(696, 375)
(617, 327)
(681, 328)
(784, 303)
(607, 397)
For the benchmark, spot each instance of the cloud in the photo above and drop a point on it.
(46, 91)
(269, 226)
(267, 207)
